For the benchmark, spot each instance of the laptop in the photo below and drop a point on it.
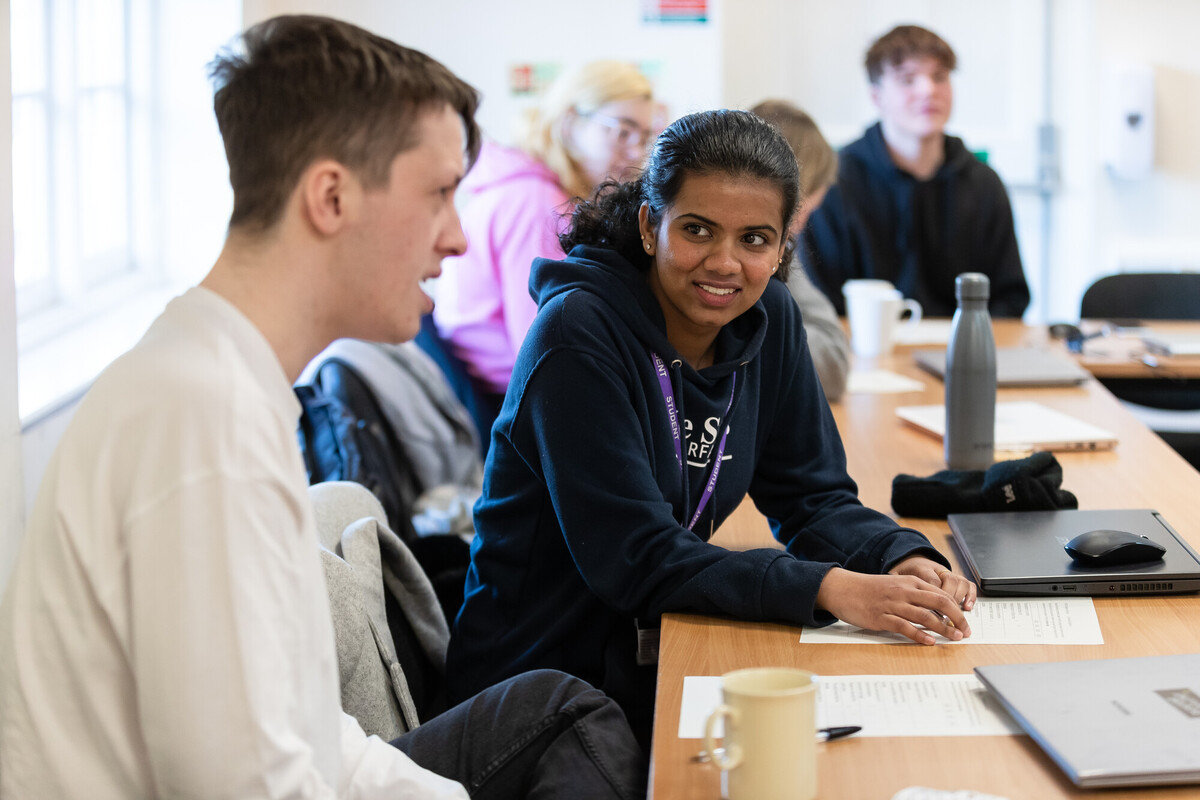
(1021, 426)
(1016, 367)
(1172, 343)
(1021, 553)
(1111, 722)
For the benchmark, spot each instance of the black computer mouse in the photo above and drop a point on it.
(1106, 548)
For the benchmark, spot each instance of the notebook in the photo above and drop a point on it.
(1021, 553)
(1022, 426)
(1172, 343)
(1016, 366)
(1112, 722)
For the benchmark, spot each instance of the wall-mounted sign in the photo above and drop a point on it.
(671, 11)
(529, 78)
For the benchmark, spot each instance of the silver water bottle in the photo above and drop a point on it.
(971, 377)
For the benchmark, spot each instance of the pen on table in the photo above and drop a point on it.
(825, 734)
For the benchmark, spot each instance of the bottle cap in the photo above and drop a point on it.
(972, 286)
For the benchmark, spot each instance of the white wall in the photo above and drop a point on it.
(196, 200)
(12, 507)
(1153, 222)
(481, 39)
(1103, 224)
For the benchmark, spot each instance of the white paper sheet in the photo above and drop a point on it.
(993, 620)
(884, 705)
(927, 331)
(880, 381)
(925, 793)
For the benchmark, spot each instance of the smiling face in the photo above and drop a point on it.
(403, 231)
(713, 251)
(915, 97)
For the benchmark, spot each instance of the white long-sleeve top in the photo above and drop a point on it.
(166, 632)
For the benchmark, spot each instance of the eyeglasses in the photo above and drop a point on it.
(627, 132)
(1073, 336)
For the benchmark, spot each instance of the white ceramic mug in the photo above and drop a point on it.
(770, 748)
(874, 308)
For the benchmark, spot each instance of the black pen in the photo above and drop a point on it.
(825, 734)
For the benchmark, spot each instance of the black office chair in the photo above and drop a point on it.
(1151, 296)
(1144, 295)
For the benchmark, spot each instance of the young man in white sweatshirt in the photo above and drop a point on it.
(167, 630)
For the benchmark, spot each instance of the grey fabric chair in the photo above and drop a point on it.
(1169, 406)
(390, 632)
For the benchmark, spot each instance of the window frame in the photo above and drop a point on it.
(79, 288)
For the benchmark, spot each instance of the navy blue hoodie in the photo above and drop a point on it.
(580, 529)
(878, 221)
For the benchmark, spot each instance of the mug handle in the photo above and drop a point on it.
(731, 755)
(914, 309)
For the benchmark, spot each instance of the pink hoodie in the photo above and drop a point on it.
(512, 214)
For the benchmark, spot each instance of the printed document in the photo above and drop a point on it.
(884, 705)
(880, 381)
(993, 620)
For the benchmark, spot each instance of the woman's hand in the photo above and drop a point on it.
(959, 588)
(894, 602)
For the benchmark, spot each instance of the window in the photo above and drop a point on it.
(119, 189)
(76, 117)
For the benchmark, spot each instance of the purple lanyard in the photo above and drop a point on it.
(668, 393)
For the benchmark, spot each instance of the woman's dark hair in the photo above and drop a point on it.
(734, 143)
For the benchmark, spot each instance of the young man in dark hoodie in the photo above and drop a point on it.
(912, 205)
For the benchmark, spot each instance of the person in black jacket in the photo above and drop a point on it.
(912, 205)
(666, 376)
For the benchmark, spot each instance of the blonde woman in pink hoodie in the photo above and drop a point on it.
(593, 123)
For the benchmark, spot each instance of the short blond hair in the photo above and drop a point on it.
(817, 160)
(583, 89)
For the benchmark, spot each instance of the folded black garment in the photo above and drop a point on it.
(1023, 484)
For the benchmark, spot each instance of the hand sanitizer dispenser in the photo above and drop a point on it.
(1129, 119)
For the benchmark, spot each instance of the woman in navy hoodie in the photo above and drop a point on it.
(665, 376)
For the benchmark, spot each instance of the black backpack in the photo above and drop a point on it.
(344, 436)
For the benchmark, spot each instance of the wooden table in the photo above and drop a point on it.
(1124, 356)
(1142, 472)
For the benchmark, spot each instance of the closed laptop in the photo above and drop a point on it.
(1021, 426)
(1111, 722)
(1016, 366)
(1022, 553)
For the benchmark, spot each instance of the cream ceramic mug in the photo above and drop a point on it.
(874, 309)
(770, 748)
